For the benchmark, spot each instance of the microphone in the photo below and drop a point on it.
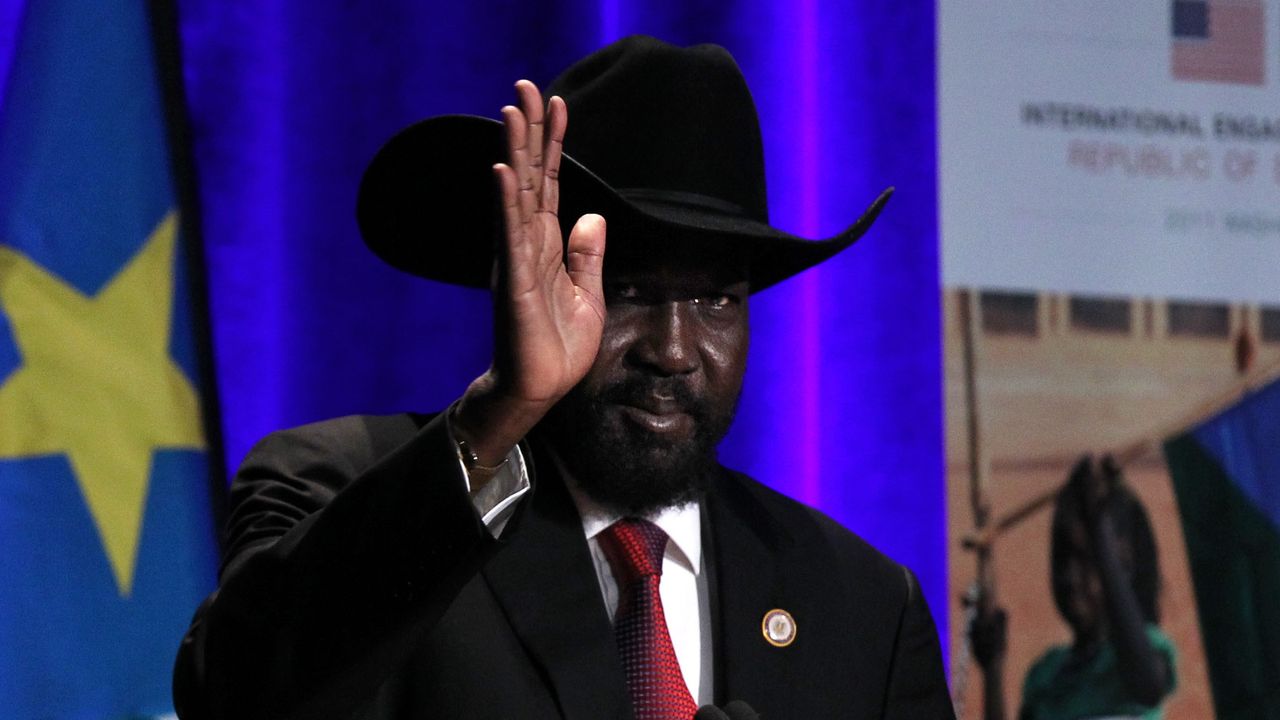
(734, 710)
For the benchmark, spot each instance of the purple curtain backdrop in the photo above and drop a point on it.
(289, 100)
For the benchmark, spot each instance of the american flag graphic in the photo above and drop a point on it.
(1219, 41)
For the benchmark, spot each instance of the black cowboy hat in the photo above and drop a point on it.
(662, 141)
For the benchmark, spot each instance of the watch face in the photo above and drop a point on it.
(469, 458)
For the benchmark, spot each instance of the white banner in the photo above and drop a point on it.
(1111, 148)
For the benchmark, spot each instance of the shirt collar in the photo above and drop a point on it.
(682, 523)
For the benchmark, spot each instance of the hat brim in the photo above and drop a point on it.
(428, 205)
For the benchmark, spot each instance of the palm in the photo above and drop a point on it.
(550, 314)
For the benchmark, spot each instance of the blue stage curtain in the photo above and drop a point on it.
(289, 100)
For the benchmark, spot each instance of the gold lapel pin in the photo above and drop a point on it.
(778, 628)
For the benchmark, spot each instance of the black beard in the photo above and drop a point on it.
(626, 468)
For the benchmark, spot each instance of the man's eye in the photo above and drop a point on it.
(717, 302)
(625, 292)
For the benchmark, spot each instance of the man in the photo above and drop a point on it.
(509, 558)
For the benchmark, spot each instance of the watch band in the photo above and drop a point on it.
(471, 461)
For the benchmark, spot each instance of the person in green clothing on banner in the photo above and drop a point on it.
(1106, 584)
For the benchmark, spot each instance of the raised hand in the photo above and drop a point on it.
(549, 316)
(548, 313)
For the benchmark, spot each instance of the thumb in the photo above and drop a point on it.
(585, 257)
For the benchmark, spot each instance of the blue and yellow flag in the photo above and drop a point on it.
(106, 541)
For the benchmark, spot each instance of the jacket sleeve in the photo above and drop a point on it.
(347, 541)
(917, 686)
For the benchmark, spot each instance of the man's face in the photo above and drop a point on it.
(639, 432)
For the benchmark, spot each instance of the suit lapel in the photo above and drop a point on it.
(544, 581)
(753, 553)
(745, 542)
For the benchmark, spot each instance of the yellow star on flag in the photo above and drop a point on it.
(97, 384)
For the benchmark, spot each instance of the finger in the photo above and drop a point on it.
(585, 262)
(547, 220)
(514, 257)
(557, 120)
(518, 158)
(531, 104)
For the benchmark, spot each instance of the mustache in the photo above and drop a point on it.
(636, 390)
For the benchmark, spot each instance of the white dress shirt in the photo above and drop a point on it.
(683, 587)
(685, 599)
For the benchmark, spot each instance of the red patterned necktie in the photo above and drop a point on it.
(658, 691)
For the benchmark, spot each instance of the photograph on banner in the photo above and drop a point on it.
(1109, 182)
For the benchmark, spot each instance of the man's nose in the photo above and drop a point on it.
(668, 344)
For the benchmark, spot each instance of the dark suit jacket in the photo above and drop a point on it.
(360, 583)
